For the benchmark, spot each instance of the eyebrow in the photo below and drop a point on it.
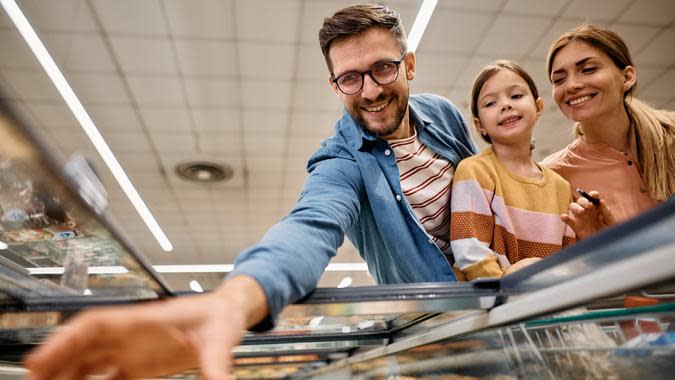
(510, 88)
(369, 67)
(579, 63)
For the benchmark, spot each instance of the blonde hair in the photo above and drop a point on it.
(652, 131)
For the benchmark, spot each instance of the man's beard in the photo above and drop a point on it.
(389, 128)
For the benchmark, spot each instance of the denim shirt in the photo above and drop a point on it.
(353, 188)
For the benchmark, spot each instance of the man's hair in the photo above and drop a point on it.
(357, 19)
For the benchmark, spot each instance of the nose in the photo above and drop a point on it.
(506, 105)
(370, 90)
(573, 84)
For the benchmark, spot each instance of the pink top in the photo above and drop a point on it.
(600, 167)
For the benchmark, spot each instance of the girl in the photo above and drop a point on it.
(623, 147)
(505, 207)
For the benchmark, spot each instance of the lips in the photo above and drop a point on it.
(509, 120)
(579, 100)
(377, 108)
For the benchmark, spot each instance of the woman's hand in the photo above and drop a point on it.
(587, 219)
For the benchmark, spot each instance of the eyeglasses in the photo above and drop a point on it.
(382, 73)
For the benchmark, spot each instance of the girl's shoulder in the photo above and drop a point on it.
(480, 165)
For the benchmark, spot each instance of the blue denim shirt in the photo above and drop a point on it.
(353, 189)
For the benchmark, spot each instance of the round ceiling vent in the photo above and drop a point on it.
(204, 171)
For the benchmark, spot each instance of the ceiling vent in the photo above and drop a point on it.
(204, 171)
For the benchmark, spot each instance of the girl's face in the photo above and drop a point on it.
(587, 85)
(507, 109)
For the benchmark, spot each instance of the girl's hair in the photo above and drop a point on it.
(488, 72)
(652, 131)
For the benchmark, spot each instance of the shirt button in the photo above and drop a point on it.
(398, 197)
(643, 190)
(387, 152)
(630, 163)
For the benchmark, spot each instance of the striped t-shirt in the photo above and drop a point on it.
(425, 182)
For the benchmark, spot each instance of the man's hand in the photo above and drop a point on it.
(154, 339)
(587, 219)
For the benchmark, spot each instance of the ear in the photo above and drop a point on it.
(540, 106)
(410, 62)
(479, 127)
(629, 78)
(333, 85)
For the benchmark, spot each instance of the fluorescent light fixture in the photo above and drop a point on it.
(315, 322)
(59, 81)
(3, 245)
(339, 267)
(87, 292)
(196, 286)
(345, 282)
(90, 270)
(420, 24)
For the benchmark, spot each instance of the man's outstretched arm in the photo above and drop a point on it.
(154, 339)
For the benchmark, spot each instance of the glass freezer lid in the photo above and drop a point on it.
(54, 246)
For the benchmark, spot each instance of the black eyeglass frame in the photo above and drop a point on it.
(368, 72)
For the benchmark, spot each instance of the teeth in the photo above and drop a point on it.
(579, 100)
(378, 108)
(510, 120)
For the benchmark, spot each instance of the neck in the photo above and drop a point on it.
(517, 159)
(611, 129)
(403, 131)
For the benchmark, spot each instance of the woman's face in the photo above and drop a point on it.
(587, 85)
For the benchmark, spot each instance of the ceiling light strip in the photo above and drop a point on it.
(52, 70)
(420, 24)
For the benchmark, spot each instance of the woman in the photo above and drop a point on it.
(623, 148)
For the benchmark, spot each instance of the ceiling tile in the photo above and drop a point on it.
(216, 120)
(210, 19)
(114, 117)
(660, 51)
(144, 55)
(313, 13)
(534, 7)
(156, 91)
(269, 123)
(202, 58)
(212, 92)
(313, 123)
(17, 55)
(178, 141)
(546, 39)
(260, 20)
(511, 36)
(438, 69)
(62, 15)
(166, 119)
(121, 141)
(265, 94)
(661, 87)
(596, 10)
(220, 143)
(472, 68)
(131, 17)
(636, 37)
(144, 161)
(447, 31)
(54, 115)
(315, 96)
(267, 61)
(31, 86)
(311, 64)
(99, 88)
(476, 5)
(650, 12)
(88, 52)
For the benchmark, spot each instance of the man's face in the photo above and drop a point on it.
(379, 109)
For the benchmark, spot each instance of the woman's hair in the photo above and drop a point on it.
(488, 72)
(653, 131)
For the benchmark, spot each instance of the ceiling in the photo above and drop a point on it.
(243, 82)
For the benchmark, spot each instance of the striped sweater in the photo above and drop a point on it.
(499, 218)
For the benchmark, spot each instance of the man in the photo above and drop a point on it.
(382, 180)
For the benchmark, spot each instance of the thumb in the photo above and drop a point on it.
(215, 356)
